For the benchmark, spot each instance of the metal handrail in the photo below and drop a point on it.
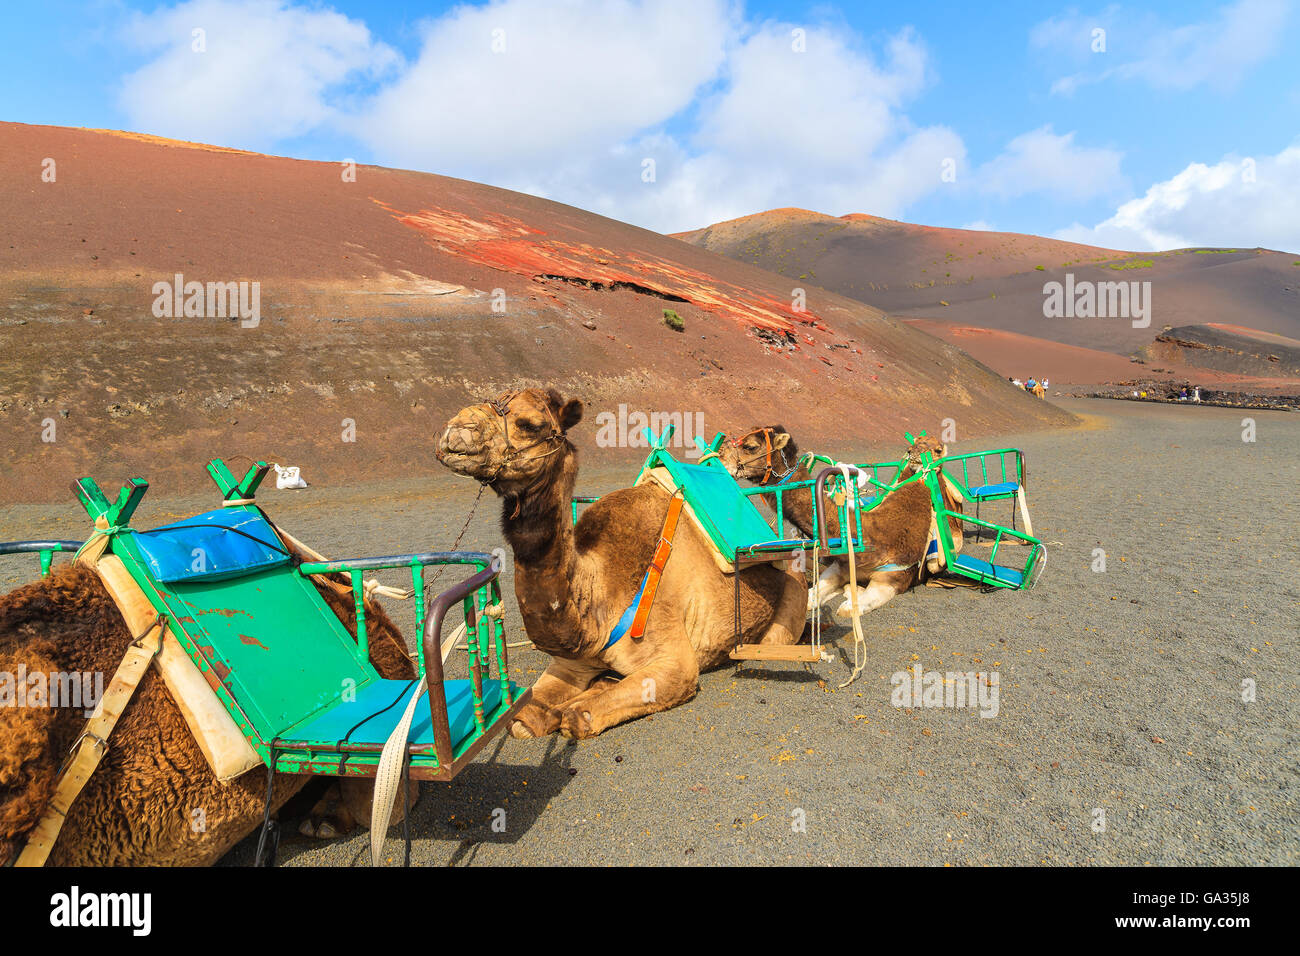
(433, 672)
(46, 550)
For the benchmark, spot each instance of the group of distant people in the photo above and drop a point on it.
(1184, 394)
(1031, 385)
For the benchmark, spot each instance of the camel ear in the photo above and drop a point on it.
(570, 414)
(780, 440)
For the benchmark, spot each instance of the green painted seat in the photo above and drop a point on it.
(299, 684)
(270, 639)
(727, 515)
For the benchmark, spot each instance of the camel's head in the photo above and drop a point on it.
(762, 455)
(511, 441)
(925, 445)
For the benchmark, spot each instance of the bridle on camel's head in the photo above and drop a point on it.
(500, 406)
(765, 454)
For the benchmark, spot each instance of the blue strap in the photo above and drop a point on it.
(628, 616)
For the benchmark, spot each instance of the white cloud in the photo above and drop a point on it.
(567, 101)
(267, 71)
(1239, 201)
(979, 225)
(510, 88)
(734, 118)
(1041, 161)
(1216, 52)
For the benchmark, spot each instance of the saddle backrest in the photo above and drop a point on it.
(254, 626)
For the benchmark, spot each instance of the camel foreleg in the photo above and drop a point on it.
(829, 583)
(880, 590)
(669, 679)
(560, 683)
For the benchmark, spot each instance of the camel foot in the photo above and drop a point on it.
(323, 830)
(346, 805)
(845, 611)
(535, 721)
(576, 724)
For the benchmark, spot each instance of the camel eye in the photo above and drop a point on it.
(529, 426)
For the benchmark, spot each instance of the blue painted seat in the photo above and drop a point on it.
(992, 491)
(980, 568)
(209, 547)
(378, 707)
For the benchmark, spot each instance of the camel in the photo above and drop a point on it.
(152, 801)
(574, 582)
(1039, 391)
(897, 529)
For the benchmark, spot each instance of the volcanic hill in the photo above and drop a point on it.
(387, 300)
(964, 282)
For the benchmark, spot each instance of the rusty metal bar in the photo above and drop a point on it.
(432, 643)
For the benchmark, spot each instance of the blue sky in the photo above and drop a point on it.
(1178, 125)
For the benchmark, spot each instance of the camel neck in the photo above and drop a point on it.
(537, 524)
(537, 521)
(796, 505)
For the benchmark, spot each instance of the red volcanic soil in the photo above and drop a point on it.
(388, 300)
(1021, 356)
(997, 280)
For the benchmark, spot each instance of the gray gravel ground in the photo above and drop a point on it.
(1119, 691)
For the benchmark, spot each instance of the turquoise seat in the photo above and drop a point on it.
(979, 568)
(713, 492)
(727, 515)
(993, 491)
(379, 705)
(217, 544)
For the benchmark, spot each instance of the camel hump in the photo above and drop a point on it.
(621, 516)
(620, 532)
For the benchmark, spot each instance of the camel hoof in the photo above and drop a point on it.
(520, 731)
(844, 612)
(576, 725)
(319, 831)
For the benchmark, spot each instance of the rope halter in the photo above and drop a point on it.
(501, 407)
(766, 454)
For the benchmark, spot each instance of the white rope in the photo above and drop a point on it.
(389, 774)
(859, 642)
(495, 611)
(372, 587)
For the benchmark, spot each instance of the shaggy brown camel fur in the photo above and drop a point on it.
(897, 529)
(574, 582)
(153, 799)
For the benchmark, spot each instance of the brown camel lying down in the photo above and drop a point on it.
(573, 583)
(153, 799)
(897, 529)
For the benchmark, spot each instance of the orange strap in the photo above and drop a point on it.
(656, 569)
